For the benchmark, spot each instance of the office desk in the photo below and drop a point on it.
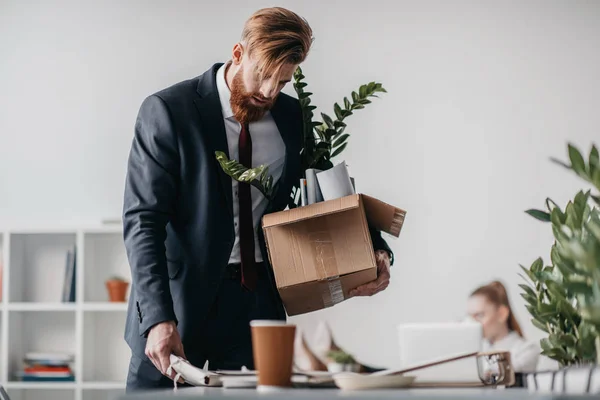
(322, 394)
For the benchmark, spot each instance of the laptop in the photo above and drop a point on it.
(422, 343)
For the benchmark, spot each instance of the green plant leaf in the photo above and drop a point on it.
(539, 215)
(596, 178)
(355, 97)
(529, 273)
(347, 103)
(550, 201)
(338, 124)
(327, 119)
(338, 111)
(346, 113)
(539, 325)
(339, 150)
(532, 300)
(304, 95)
(577, 162)
(257, 177)
(329, 133)
(528, 290)
(537, 265)
(546, 345)
(578, 287)
(594, 160)
(340, 140)
(557, 216)
(561, 163)
(362, 91)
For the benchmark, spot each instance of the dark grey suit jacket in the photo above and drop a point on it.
(178, 205)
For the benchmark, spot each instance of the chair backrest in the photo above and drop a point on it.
(3, 394)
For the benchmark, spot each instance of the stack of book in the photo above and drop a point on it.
(46, 367)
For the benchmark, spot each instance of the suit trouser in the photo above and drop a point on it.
(225, 340)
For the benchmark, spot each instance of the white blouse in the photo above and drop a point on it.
(524, 354)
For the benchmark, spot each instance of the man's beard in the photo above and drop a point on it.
(243, 109)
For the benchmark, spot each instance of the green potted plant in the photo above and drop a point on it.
(117, 288)
(563, 297)
(340, 361)
(323, 139)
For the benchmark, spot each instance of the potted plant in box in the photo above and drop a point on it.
(323, 140)
(117, 288)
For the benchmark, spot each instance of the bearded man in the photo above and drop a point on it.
(200, 270)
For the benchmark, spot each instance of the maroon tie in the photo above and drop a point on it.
(245, 214)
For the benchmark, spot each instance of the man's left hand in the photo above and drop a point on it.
(383, 277)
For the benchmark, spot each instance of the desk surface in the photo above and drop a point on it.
(318, 394)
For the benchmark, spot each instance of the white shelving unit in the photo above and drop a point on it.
(33, 318)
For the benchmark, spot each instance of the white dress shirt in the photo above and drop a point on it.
(524, 355)
(267, 148)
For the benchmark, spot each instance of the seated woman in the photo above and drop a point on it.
(489, 306)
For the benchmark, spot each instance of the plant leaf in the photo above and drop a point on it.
(339, 150)
(340, 140)
(362, 91)
(594, 160)
(577, 162)
(539, 325)
(355, 97)
(304, 95)
(530, 274)
(537, 265)
(257, 177)
(539, 215)
(338, 124)
(347, 103)
(561, 163)
(528, 290)
(329, 133)
(327, 119)
(338, 111)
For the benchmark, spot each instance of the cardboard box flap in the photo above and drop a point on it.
(382, 216)
(311, 211)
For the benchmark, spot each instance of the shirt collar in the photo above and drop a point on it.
(224, 92)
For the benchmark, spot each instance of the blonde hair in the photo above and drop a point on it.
(276, 36)
(495, 292)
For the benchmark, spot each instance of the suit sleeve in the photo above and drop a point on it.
(379, 243)
(150, 190)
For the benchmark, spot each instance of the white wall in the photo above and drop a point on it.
(481, 94)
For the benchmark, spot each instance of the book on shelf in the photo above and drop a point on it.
(68, 292)
(47, 367)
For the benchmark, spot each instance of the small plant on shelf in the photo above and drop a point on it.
(117, 288)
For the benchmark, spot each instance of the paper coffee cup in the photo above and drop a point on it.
(273, 351)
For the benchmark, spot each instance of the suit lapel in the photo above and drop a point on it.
(209, 107)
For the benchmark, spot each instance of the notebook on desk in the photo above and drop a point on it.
(421, 343)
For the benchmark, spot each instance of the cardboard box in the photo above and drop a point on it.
(321, 251)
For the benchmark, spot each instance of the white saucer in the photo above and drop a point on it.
(354, 381)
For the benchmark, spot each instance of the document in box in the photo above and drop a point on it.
(335, 182)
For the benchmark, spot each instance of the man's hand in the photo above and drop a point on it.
(164, 339)
(383, 277)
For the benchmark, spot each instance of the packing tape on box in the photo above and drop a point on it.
(331, 291)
